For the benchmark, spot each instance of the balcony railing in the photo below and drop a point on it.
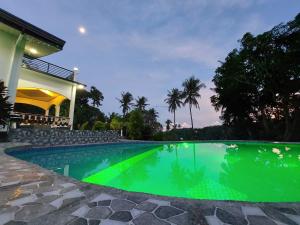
(48, 68)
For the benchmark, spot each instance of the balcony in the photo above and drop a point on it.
(39, 65)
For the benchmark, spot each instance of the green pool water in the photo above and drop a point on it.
(244, 171)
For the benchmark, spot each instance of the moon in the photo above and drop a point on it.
(82, 30)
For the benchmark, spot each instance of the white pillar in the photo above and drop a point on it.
(57, 110)
(15, 67)
(72, 100)
(47, 112)
(8, 43)
(66, 170)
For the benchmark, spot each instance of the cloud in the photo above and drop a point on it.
(254, 24)
(185, 125)
(161, 48)
(217, 5)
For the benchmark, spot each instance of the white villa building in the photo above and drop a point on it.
(29, 79)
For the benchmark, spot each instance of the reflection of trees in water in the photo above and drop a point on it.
(169, 147)
(262, 172)
(140, 172)
(183, 177)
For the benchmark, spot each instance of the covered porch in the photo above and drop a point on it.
(41, 108)
(43, 90)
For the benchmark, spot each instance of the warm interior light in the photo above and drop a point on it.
(80, 86)
(82, 30)
(33, 51)
(50, 93)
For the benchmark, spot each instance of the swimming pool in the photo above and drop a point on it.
(243, 171)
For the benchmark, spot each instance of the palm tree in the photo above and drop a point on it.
(168, 123)
(126, 102)
(151, 115)
(173, 99)
(191, 89)
(96, 96)
(141, 103)
(150, 120)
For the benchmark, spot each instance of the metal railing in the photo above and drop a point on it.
(25, 119)
(48, 68)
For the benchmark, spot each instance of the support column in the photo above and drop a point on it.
(72, 100)
(72, 106)
(47, 112)
(57, 110)
(15, 67)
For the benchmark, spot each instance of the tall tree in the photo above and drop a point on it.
(96, 96)
(6, 107)
(151, 116)
(84, 112)
(258, 85)
(191, 89)
(135, 124)
(141, 103)
(126, 102)
(168, 123)
(174, 101)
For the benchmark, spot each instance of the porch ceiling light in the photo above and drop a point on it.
(33, 51)
(80, 86)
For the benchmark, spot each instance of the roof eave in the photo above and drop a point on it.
(27, 28)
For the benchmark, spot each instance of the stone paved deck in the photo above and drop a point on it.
(31, 195)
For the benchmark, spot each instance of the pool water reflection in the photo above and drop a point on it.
(244, 171)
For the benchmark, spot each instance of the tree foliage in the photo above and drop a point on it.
(205, 133)
(174, 101)
(85, 112)
(191, 93)
(258, 85)
(99, 125)
(116, 123)
(135, 124)
(141, 103)
(142, 124)
(126, 102)
(168, 124)
(96, 96)
(5, 106)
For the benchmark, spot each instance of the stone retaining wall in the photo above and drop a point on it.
(61, 136)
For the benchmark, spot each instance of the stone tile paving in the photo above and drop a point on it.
(31, 195)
